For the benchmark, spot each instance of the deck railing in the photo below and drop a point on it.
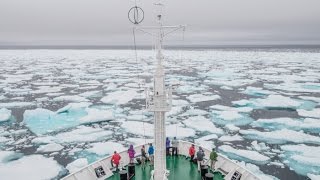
(223, 164)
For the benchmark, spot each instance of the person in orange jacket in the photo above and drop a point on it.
(116, 159)
(192, 152)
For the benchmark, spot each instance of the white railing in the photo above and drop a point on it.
(223, 164)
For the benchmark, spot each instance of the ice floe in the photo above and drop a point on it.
(147, 129)
(33, 167)
(16, 104)
(119, 97)
(280, 136)
(230, 138)
(200, 123)
(307, 124)
(96, 115)
(5, 114)
(71, 98)
(244, 155)
(256, 171)
(78, 135)
(76, 165)
(105, 148)
(48, 148)
(315, 113)
(257, 91)
(302, 158)
(201, 98)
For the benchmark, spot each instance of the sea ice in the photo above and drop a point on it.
(194, 98)
(35, 167)
(16, 104)
(90, 94)
(230, 138)
(280, 136)
(259, 146)
(76, 165)
(105, 148)
(6, 156)
(48, 148)
(5, 114)
(257, 91)
(302, 158)
(119, 97)
(96, 115)
(230, 117)
(146, 129)
(313, 176)
(232, 128)
(315, 113)
(245, 155)
(42, 121)
(307, 124)
(71, 98)
(256, 171)
(200, 123)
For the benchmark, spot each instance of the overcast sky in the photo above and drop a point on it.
(210, 22)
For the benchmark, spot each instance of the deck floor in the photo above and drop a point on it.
(180, 169)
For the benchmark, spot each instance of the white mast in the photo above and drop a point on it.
(159, 99)
(159, 102)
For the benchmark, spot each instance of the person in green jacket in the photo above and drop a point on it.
(213, 158)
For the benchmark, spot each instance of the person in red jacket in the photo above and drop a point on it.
(192, 152)
(116, 159)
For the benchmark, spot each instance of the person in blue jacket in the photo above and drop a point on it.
(151, 154)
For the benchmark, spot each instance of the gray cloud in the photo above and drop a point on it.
(104, 22)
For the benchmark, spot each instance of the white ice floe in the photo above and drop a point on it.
(232, 128)
(78, 135)
(74, 107)
(315, 113)
(5, 114)
(257, 91)
(256, 171)
(96, 115)
(16, 104)
(307, 124)
(200, 123)
(274, 101)
(206, 141)
(230, 138)
(244, 155)
(194, 112)
(314, 99)
(230, 117)
(76, 165)
(90, 94)
(42, 121)
(48, 148)
(280, 136)
(259, 146)
(83, 134)
(302, 158)
(35, 167)
(313, 176)
(146, 129)
(71, 98)
(139, 141)
(119, 97)
(6, 156)
(201, 98)
(105, 148)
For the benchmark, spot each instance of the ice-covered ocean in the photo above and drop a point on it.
(63, 109)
